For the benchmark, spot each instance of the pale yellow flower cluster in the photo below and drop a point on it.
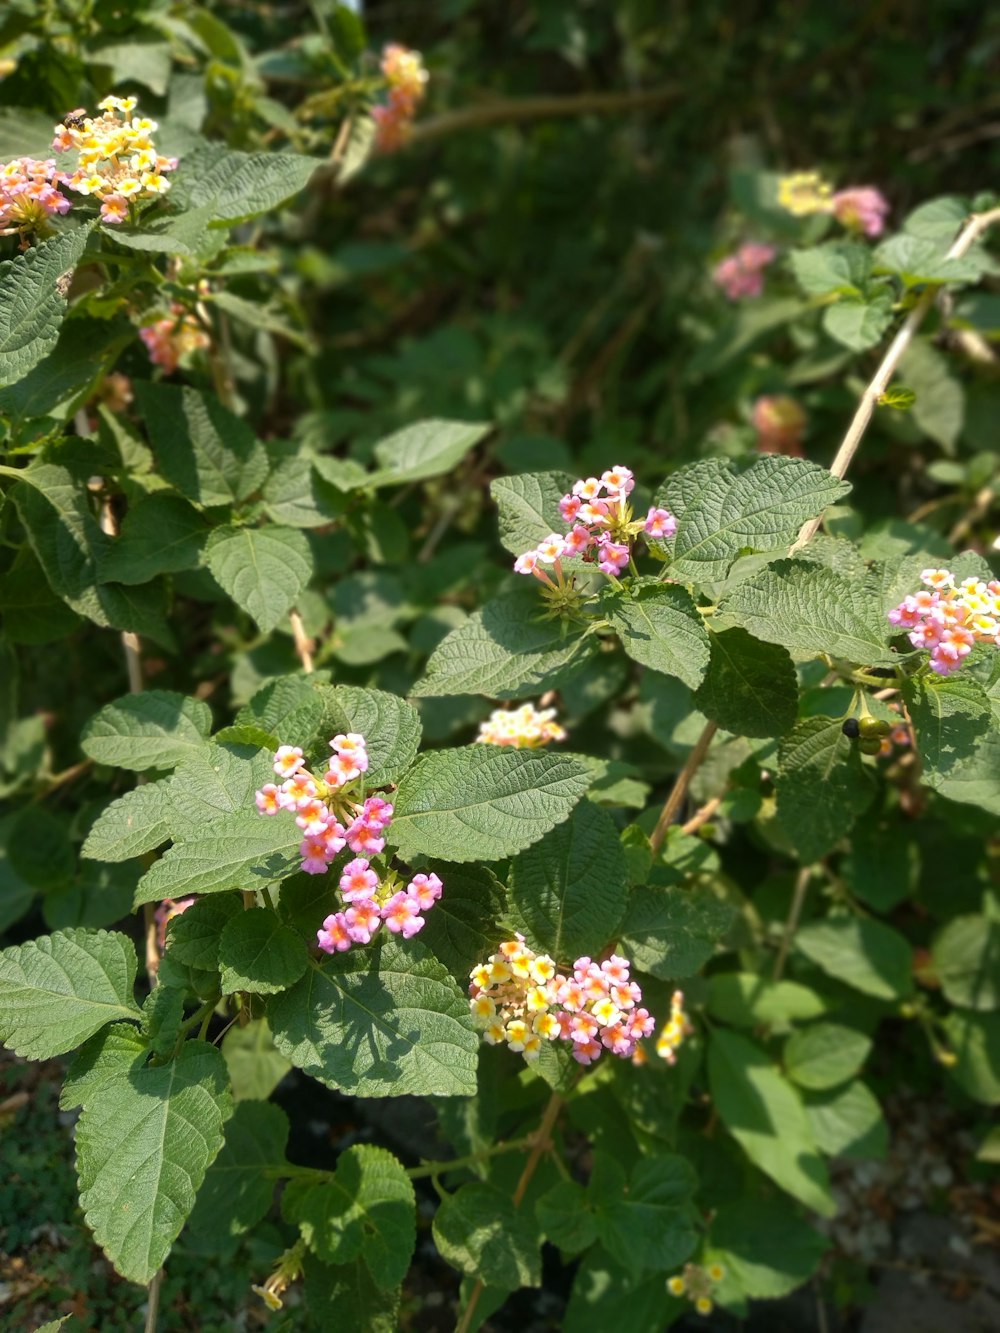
(524, 728)
(118, 161)
(674, 1030)
(805, 192)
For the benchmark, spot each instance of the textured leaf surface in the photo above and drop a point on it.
(479, 1231)
(670, 933)
(255, 1064)
(144, 1141)
(236, 186)
(506, 650)
(155, 729)
(379, 1022)
(659, 626)
(425, 449)
(848, 1122)
(646, 1223)
(751, 687)
(215, 782)
(461, 930)
(236, 1194)
(862, 953)
(264, 570)
(528, 507)
(135, 823)
(389, 725)
(811, 610)
(289, 708)
(764, 1114)
(767, 1245)
(570, 889)
(967, 961)
(57, 990)
(950, 718)
(257, 953)
(824, 1055)
(161, 535)
(193, 936)
(722, 514)
(31, 304)
(247, 852)
(822, 786)
(482, 802)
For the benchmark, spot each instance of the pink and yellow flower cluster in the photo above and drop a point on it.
(406, 78)
(859, 208)
(741, 274)
(118, 162)
(524, 728)
(29, 194)
(600, 526)
(520, 998)
(949, 619)
(698, 1284)
(168, 341)
(333, 813)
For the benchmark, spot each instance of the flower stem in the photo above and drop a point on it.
(678, 791)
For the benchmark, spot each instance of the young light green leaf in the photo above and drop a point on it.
(161, 535)
(751, 688)
(425, 449)
(479, 1231)
(237, 186)
(918, 259)
(839, 266)
(569, 890)
(670, 933)
(767, 1246)
(247, 852)
(155, 729)
(390, 726)
(482, 802)
(32, 305)
(149, 1135)
(258, 954)
(462, 930)
(860, 952)
(367, 1210)
(507, 650)
(859, 324)
(722, 514)
(822, 786)
(264, 570)
(848, 1122)
(824, 1055)
(137, 822)
(255, 1064)
(236, 1193)
(379, 1022)
(659, 626)
(59, 989)
(966, 957)
(764, 1114)
(745, 999)
(528, 507)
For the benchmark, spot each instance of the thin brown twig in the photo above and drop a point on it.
(702, 816)
(304, 646)
(514, 110)
(792, 923)
(678, 791)
(977, 510)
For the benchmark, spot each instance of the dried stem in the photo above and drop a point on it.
(678, 791)
(792, 924)
(977, 510)
(976, 225)
(702, 816)
(303, 644)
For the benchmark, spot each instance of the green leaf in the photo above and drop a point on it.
(32, 305)
(824, 1055)
(210, 455)
(766, 1245)
(295, 495)
(848, 1122)
(264, 570)
(862, 953)
(764, 1114)
(479, 1231)
(390, 726)
(722, 514)
(670, 933)
(379, 1022)
(938, 219)
(137, 822)
(859, 324)
(161, 535)
(425, 449)
(144, 1141)
(811, 610)
(939, 405)
(745, 999)
(482, 803)
(58, 990)
(215, 782)
(237, 186)
(566, 1217)
(646, 1223)
(751, 688)
(40, 850)
(255, 1065)
(114, 1050)
(528, 507)
(917, 260)
(822, 786)
(974, 1040)
(247, 852)
(659, 626)
(950, 717)
(236, 1194)
(569, 891)
(367, 1210)
(258, 954)
(155, 729)
(345, 1295)
(839, 266)
(462, 931)
(289, 708)
(507, 650)
(193, 936)
(966, 957)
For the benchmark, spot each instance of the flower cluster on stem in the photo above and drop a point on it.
(168, 341)
(674, 1030)
(29, 195)
(118, 163)
(741, 274)
(406, 80)
(780, 423)
(949, 619)
(698, 1284)
(859, 208)
(524, 728)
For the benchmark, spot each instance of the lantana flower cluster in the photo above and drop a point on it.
(520, 998)
(118, 162)
(29, 194)
(780, 423)
(406, 78)
(600, 526)
(333, 813)
(524, 728)
(949, 618)
(674, 1030)
(860, 208)
(698, 1284)
(168, 341)
(741, 274)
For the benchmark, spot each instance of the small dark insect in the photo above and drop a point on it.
(75, 119)
(851, 728)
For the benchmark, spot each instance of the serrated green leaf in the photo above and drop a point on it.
(135, 823)
(824, 1055)
(939, 401)
(659, 626)
(938, 219)
(236, 186)
(368, 1210)
(722, 514)
(288, 708)
(215, 782)
(848, 1122)
(255, 1065)
(862, 953)
(462, 930)
(767, 1245)
(859, 324)
(764, 1114)
(294, 494)
(811, 610)
(236, 1194)
(670, 933)
(114, 1050)
(346, 1294)
(264, 570)
(192, 937)
(822, 786)
(647, 1223)
(161, 535)
(390, 726)
(479, 1231)
(482, 802)
(966, 957)
(750, 688)
(569, 890)
(257, 953)
(247, 852)
(838, 266)
(379, 1022)
(745, 999)
(59, 989)
(918, 259)
(425, 449)
(144, 1141)
(566, 1217)
(974, 1039)
(950, 718)
(528, 507)
(208, 453)
(155, 729)
(506, 650)
(31, 303)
